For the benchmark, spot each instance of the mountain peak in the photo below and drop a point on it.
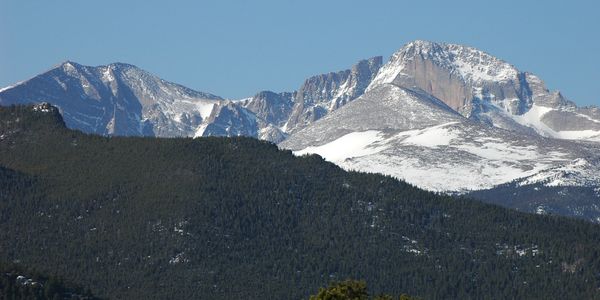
(68, 63)
(68, 66)
(472, 64)
(420, 44)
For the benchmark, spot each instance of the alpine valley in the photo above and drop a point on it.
(446, 118)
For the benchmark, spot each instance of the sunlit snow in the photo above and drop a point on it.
(352, 145)
(438, 158)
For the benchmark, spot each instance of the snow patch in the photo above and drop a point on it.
(355, 144)
(533, 119)
(501, 151)
(107, 75)
(42, 107)
(200, 131)
(179, 258)
(430, 137)
(7, 88)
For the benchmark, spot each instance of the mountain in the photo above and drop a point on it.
(453, 119)
(117, 99)
(121, 99)
(415, 137)
(238, 218)
(445, 117)
(489, 90)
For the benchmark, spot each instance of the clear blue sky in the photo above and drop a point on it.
(236, 48)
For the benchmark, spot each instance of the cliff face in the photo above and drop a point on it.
(486, 89)
(460, 76)
(274, 108)
(324, 93)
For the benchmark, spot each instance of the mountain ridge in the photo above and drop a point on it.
(496, 121)
(144, 104)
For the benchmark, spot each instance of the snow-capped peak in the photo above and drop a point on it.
(473, 65)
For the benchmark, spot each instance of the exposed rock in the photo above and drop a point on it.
(271, 107)
(324, 93)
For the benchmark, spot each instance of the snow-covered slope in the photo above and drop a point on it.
(383, 131)
(386, 107)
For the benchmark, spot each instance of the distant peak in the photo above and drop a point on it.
(423, 45)
(121, 65)
(265, 94)
(374, 59)
(420, 43)
(448, 51)
(69, 67)
(427, 47)
(68, 64)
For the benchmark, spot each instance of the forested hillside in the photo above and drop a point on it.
(236, 218)
(579, 201)
(17, 283)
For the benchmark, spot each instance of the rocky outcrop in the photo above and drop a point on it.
(324, 93)
(229, 119)
(274, 108)
(232, 119)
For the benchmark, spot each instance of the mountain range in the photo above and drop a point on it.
(444, 117)
(239, 218)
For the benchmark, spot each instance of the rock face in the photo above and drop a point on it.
(324, 93)
(273, 108)
(457, 75)
(486, 89)
(228, 119)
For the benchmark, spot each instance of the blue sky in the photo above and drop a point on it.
(236, 48)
